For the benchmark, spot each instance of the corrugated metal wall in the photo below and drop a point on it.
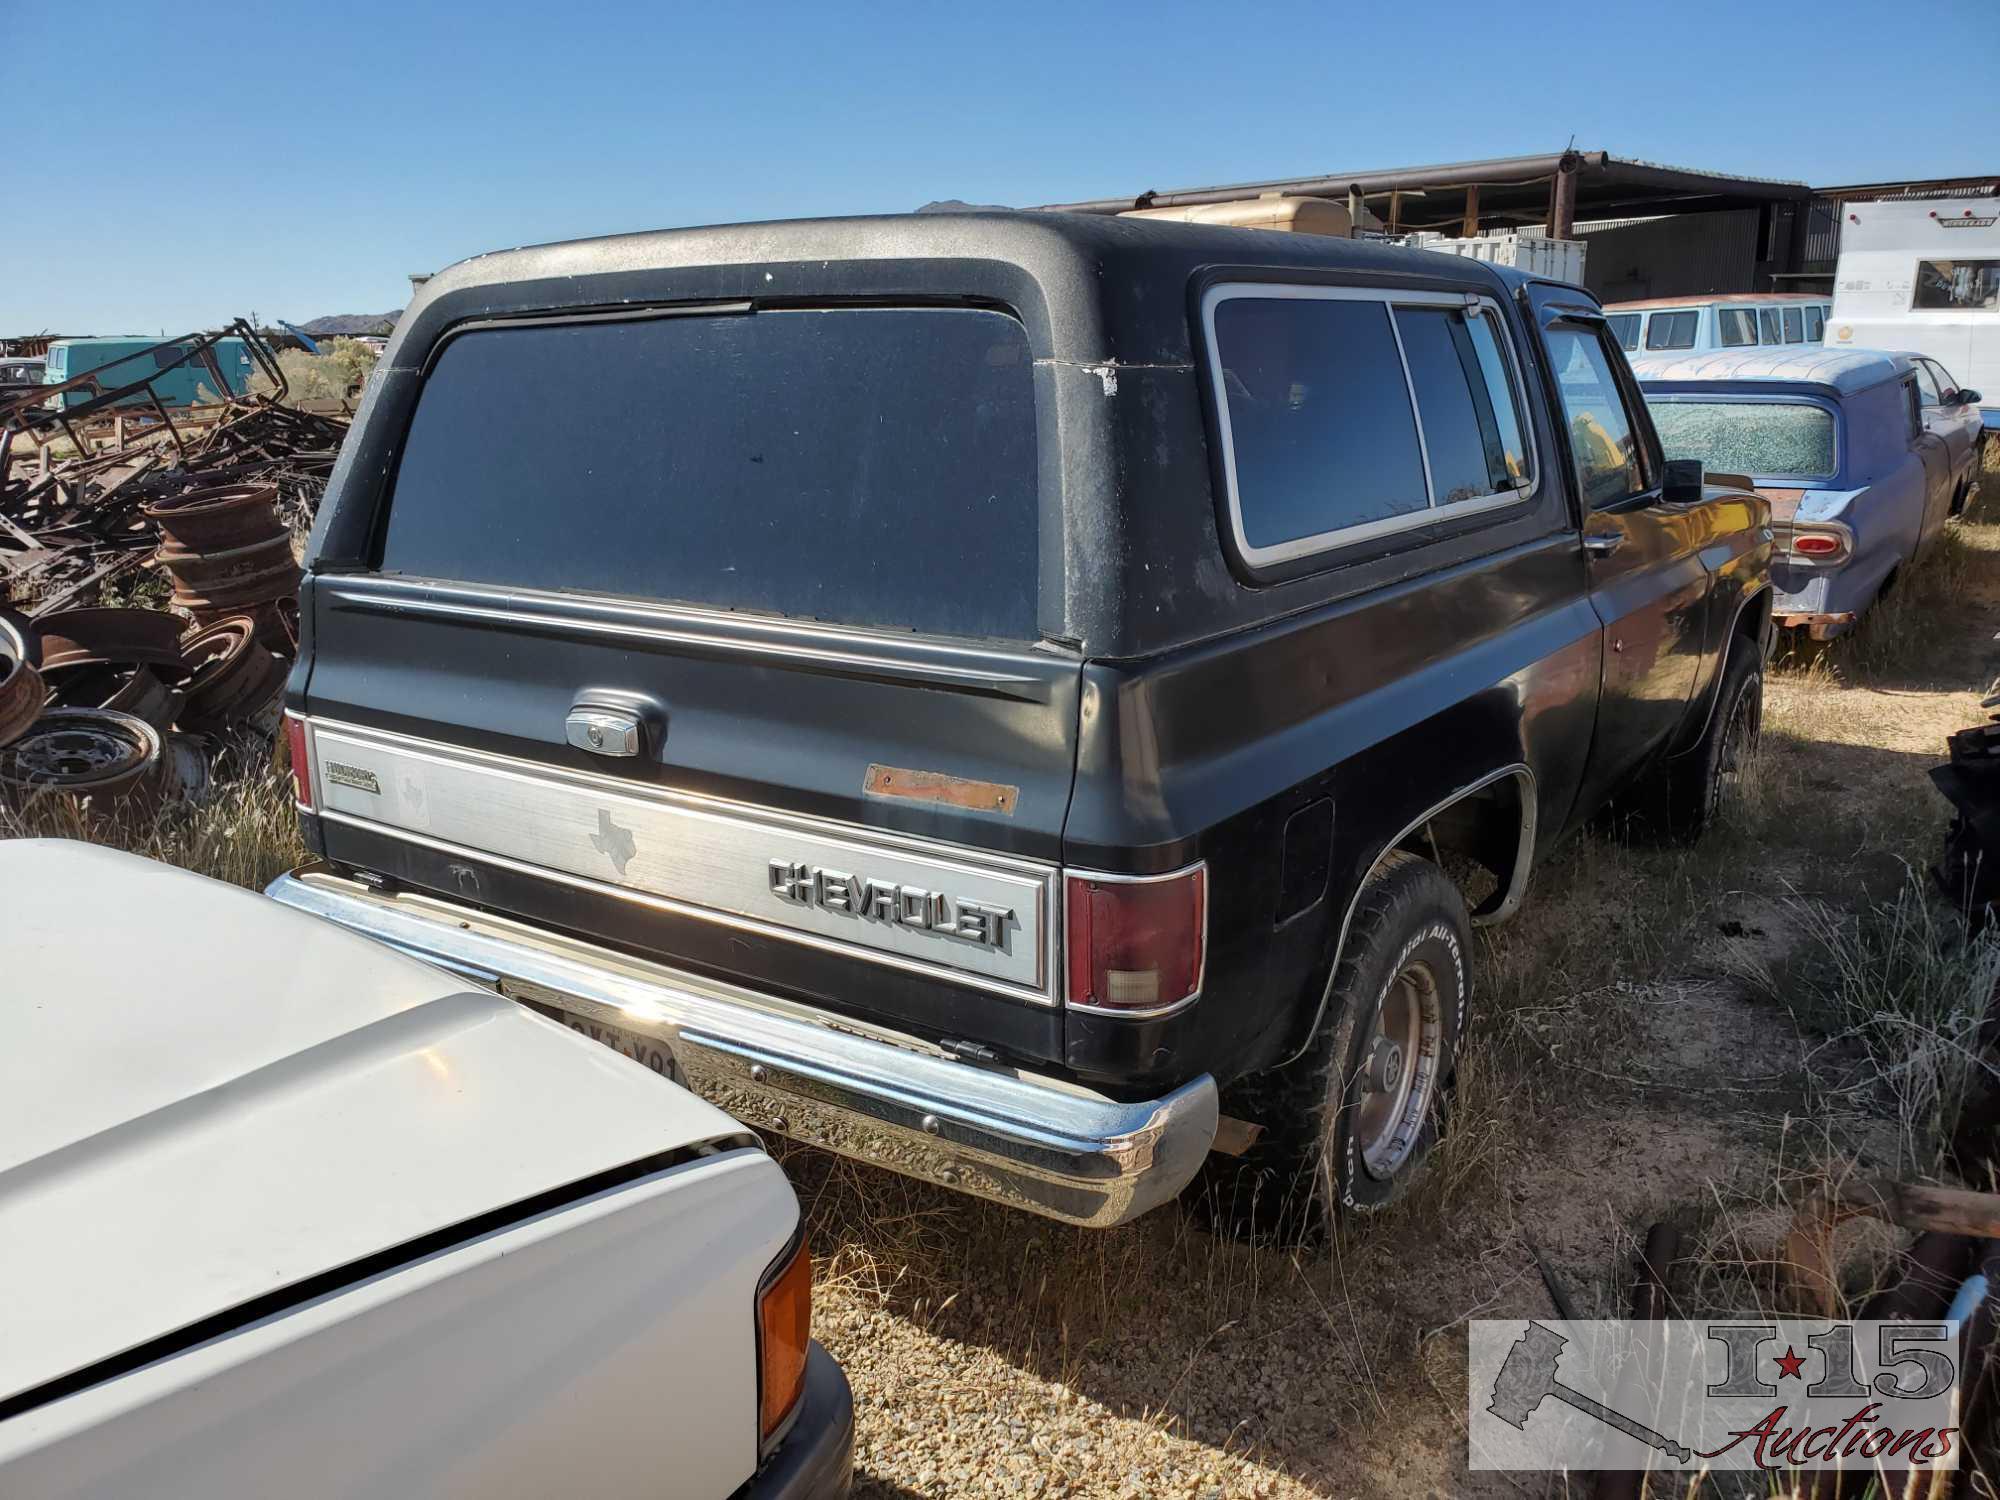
(1682, 256)
(1822, 236)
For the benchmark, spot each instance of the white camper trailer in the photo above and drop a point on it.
(1922, 276)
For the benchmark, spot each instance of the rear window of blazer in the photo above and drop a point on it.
(860, 466)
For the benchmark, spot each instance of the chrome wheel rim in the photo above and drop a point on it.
(1399, 1072)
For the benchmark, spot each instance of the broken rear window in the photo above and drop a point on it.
(860, 466)
(1760, 438)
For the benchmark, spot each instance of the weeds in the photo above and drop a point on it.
(1903, 985)
(1896, 640)
(245, 831)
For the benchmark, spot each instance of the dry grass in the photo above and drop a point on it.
(1896, 993)
(244, 831)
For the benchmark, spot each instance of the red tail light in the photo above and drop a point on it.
(1820, 546)
(295, 741)
(1136, 944)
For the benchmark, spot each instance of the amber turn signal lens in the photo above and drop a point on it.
(784, 1329)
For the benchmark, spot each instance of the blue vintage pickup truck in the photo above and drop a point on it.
(1837, 441)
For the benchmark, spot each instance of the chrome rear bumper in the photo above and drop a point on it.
(1035, 1143)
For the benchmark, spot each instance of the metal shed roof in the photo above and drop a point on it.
(1508, 189)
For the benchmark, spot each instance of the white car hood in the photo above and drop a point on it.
(206, 1098)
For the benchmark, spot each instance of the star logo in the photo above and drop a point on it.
(1789, 1364)
(613, 842)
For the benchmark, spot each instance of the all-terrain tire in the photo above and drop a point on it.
(1692, 785)
(1312, 1155)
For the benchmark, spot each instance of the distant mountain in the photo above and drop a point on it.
(351, 323)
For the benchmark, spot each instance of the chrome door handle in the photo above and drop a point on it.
(1602, 543)
(602, 731)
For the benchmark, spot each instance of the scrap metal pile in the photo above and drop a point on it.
(122, 703)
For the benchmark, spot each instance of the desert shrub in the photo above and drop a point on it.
(337, 371)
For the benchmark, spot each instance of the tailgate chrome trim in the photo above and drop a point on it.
(786, 645)
(705, 858)
(1036, 1143)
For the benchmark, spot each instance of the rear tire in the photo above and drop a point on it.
(1696, 784)
(1350, 1123)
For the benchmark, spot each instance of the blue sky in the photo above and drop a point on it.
(316, 154)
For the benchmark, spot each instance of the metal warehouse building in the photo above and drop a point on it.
(1651, 230)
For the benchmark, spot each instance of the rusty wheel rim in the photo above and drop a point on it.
(21, 694)
(1399, 1071)
(82, 750)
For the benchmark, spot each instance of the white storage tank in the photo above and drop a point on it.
(1537, 254)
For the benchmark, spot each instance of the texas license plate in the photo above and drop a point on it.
(644, 1050)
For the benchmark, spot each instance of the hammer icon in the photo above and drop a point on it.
(1528, 1374)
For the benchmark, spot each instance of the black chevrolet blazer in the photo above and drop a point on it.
(1019, 697)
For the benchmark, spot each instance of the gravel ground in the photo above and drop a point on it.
(946, 1418)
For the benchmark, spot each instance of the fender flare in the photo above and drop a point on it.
(1714, 690)
(1510, 900)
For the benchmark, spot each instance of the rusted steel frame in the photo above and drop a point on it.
(266, 359)
(1808, 1262)
(25, 538)
(1649, 1304)
(198, 346)
(1823, 627)
(74, 441)
(103, 575)
(172, 431)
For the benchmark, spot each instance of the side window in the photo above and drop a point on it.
(1767, 323)
(1957, 285)
(1461, 399)
(1795, 325)
(1350, 415)
(1927, 390)
(1624, 328)
(1671, 330)
(1916, 413)
(1503, 390)
(1815, 324)
(1602, 437)
(1735, 327)
(1322, 436)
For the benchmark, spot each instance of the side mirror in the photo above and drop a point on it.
(1684, 480)
(1967, 398)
